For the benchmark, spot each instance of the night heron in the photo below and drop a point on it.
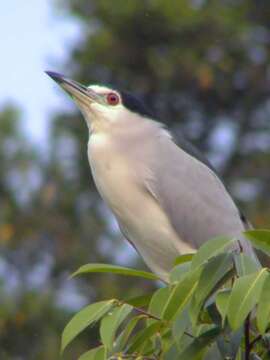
(166, 198)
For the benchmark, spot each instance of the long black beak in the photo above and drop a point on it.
(75, 89)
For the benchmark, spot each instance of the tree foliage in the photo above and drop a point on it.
(216, 307)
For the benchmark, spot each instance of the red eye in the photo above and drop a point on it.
(113, 99)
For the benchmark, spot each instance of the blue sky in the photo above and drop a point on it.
(34, 36)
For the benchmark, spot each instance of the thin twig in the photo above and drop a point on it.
(143, 312)
(256, 339)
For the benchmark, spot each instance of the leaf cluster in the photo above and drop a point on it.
(216, 305)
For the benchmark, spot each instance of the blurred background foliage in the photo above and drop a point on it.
(203, 67)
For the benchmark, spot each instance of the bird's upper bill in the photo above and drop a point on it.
(79, 93)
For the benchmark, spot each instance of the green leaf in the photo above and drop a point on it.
(98, 353)
(84, 318)
(222, 301)
(212, 274)
(183, 259)
(199, 344)
(111, 322)
(260, 239)
(181, 294)
(244, 296)
(180, 324)
(123, 338)
(244, 264)
(263, 310)
(211, 248)
(179, 271)
(230, 342)
(158, 301)
(143, 336)
(139, 301)
(104, 268)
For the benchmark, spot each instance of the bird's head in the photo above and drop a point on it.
(100, 105)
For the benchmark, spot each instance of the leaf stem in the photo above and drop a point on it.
(247, 338)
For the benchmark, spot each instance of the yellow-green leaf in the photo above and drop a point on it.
(244, 296)
(181, 294)
(222, 300)
(143, 336)
(183, 259)
(111, 322)
(260, 239)
(98, 353)
(263, 310)
(84, 318)
(211, 248)
(120, 270)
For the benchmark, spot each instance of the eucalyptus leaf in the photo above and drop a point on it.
(263, 310)
(139, 301)
(181, 294)
(179, 271)
(98, 353)
(199, 344)
(244, 264)
(222, 301)
(113, 269)
(183, 259)
(180, 325)
(260, 239)
(158, 301)
(85, 317)
(123, 338)
(214, 271)
(211, 248)
(244, 296)
(111, 322)
(143, 336)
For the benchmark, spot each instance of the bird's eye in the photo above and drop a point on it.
(113, 99)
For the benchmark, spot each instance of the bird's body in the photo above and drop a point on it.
(117, 168)
(135, 180)
(166, 199)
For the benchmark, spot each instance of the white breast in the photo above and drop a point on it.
(139, 215)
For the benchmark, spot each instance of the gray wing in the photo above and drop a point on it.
(193, 197)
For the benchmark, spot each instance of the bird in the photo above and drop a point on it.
(166, 197)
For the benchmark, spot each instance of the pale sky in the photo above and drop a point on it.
(34, 36)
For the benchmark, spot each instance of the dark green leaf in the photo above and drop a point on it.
(98, 353)
(244, 296)
(158, 301)
(244, 264)
(104, 268)
(180, 294)
(180, 325)
(215, 270)
(199, 344)
(263, 310)
(139, 301)
(179, 271)
(222, 301)
(143, 336)
(260, 239)
(84, 318)
(211, 248)
(229, 343)
(111, 322)
(183, 259)
(123, 338)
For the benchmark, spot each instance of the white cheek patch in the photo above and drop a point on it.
(108, 113)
